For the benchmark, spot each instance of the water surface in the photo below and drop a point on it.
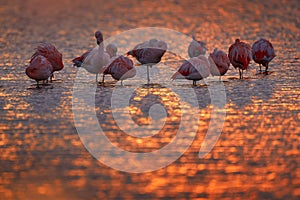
(256, 156)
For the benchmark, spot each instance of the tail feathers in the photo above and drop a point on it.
(131, 53)
(177, 75)
(77, 63)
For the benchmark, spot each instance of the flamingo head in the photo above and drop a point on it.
(112, 49)
(237, 40)
(99, 37)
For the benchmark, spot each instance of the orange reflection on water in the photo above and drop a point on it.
(256, 157)
(140, 105)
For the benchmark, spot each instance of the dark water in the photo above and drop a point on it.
(255, 157)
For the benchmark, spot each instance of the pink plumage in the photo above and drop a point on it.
(263, 52)
(149, 53)
(219, 63)
(240, 55)
(195, 69)
(39, 69)
(120, 69)
(50, 52)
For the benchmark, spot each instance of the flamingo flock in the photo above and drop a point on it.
(47, 59)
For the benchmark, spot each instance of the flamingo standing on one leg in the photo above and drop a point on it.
(219, 63)
(262, 53)
(196, 68)
(40, 68)
(149, 53)
(120, 69)
(240, 56)
(196, 48)
(50, 52)
(95, 59)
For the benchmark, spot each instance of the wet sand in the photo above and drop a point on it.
(255, 157)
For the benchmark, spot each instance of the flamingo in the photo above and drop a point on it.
(262, 53)
(112, 49)
(50, 52)
(120, 69)
(196, 48)
(219, 63)
(94, 59)
(40, 68)
(196, 68)
(149, 53)
(240, 56)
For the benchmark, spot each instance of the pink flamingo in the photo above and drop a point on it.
(94, 59)
(40, 68)
(196, 68)
(120, 69)
(196, 48)
(262, 53)
(219, 63)
(149, 53)
(240, 56)
(50, 52)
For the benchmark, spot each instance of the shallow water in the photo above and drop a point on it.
(256, 156)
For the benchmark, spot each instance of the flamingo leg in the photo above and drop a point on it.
(121, 82)
(96, 78)
(219, 78)
(260, 67)
(148, 78)
(37, 84)
(267, 66)
(52, 76)
(103, 78)
(194, 83)
(240, 73)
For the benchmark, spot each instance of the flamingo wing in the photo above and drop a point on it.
(240, 55)
(39, 68)
(119, 68)
(79, 60)
(149, 52)
(262, 52)
(50, 52)
(221, 63)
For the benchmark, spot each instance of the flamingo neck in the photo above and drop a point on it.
(101, 48)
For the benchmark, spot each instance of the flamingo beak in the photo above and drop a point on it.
(99, 41)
